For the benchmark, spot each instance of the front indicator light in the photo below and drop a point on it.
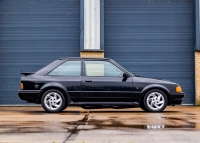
(178, 89)
(21, 86)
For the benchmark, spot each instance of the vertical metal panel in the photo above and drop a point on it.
(32, 34)
(102, 25)
(197, 26)
(92, 24)
(153, 39)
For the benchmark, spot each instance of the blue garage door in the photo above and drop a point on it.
(32, 34)
(153, 39)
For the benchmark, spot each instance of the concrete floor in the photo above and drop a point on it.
(179, 124)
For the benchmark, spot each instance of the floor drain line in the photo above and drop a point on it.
(74, 132)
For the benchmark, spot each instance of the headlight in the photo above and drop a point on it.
(178, 89)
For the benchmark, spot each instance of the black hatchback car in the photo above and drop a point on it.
(95, 82)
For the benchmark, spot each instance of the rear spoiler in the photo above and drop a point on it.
(27, 73)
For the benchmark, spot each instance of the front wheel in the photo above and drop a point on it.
(155, 101)
(143, 108)
(53, 101)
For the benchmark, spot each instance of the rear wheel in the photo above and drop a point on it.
(155, 101)
(53, 101)
(64, 107)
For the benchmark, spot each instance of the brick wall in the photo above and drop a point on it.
(197, 77)
(92, 54)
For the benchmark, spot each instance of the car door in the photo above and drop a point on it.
(69, 74)
(103, 82)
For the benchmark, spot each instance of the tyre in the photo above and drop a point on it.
(155, 101)
(53, 101)
(64, 107)
(142, 107)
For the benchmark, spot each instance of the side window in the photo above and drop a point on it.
(69, 68)
(102, 68)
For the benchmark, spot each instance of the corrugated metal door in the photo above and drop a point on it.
(153, 38)
(32, 34)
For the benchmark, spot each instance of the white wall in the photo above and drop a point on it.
(91, 24)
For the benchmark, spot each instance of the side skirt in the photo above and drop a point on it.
(103, 103)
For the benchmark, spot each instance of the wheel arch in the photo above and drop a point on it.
(56, 86)
(158, 87)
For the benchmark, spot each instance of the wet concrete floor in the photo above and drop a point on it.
(179, 124)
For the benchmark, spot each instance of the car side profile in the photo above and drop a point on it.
(95, 82)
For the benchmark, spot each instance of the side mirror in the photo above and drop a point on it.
(125, 76)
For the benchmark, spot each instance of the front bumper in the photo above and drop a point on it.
(176, 99)
(29, 95)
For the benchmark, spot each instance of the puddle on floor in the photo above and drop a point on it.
(113, 121)
(35, 127)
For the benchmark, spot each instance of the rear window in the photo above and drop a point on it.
(68, 68)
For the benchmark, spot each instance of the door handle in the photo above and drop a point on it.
(88, 80)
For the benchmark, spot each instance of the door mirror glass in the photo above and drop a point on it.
(125, 75)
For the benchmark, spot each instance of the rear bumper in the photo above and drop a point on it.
(29, 95)
(176, 99)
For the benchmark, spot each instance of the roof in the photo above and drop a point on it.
(81, 58)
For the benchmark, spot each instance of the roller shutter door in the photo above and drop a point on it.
(32, 34)
(153, 38)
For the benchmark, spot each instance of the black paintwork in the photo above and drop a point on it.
(84, 90)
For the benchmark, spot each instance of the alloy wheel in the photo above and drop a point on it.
(53, 101)
(155, 100)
